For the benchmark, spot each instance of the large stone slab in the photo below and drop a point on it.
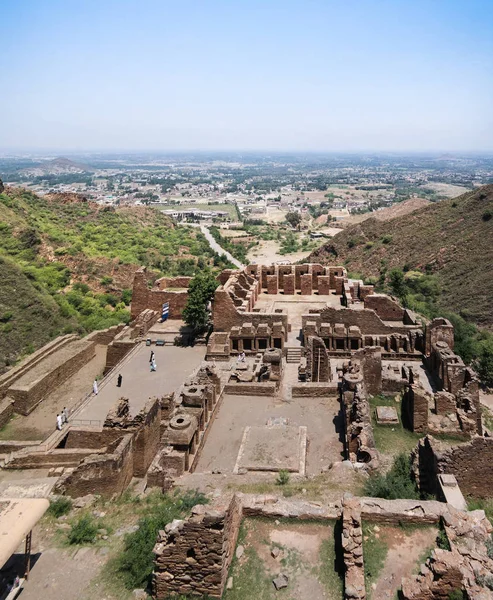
(272, 448)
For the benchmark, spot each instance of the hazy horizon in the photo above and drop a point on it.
(318, 76)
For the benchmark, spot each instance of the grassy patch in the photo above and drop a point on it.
(315, 487)
(250, 579)
(331, 570)
(374, 552)
(485, 504)
(59, 507)
(391, 439)
(394, 484)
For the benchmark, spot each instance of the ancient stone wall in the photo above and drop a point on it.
(105, 336)
(370, 364)
(385, 307)
(78, 437)
(352, 546)
(15, 373)
(30, 389)
(6, 411)
(367, 320)
(193, 556)
(144, 298)
(107, 474)
(415, 408)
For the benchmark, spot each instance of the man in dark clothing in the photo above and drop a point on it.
(119, 381)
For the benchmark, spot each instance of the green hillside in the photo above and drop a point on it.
(67, 264)
(449, 242)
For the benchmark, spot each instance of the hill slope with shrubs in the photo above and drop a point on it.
(451, 240)
(67, 265)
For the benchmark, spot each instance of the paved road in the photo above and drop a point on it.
(215, 246)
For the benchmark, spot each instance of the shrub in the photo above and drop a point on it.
(61, 506)
(351, 243)
(386, 239)
(487, 215)
(83, 531)
(397, 483)
(456, 595)
(489, 547)
(442, 540)
(136, 561)
(282, 477)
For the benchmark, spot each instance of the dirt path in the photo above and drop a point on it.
(405, 550)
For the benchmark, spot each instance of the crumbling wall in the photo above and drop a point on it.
(463, 568)
(352, 545)
(318, 363)
(106, 474)
(471, 463)
(192, 557)
(370, 361)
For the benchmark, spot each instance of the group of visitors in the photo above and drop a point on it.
(62, 418)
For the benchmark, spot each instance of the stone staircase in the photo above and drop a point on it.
(293, 355)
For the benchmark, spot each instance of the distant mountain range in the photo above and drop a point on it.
(452, 239)
(56, 166)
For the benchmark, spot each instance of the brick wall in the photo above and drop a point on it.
(306, 284)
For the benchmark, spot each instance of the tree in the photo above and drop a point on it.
(294, 219)
(397, 283)
(485, 363)
(200, 292)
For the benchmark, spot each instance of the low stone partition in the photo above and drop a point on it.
(314, 390)
(262, 388)
(48, 374)
(107, 474)
(392, 512)
(352, 546)
(59, 457)
(118, 349)
(104, 337)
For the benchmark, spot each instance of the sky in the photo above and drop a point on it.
(307, 75)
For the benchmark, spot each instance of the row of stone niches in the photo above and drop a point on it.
(255, 344)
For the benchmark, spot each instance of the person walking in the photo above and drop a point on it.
(119, 380)
(151, 357)
(95, 387)
(59, 422)
(153, 364)
(64, 415)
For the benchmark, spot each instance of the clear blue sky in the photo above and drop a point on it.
(337, 75)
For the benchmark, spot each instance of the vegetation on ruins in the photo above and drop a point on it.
(60, 506)
(394, 484)
(67, 265)
(282, 477)
(135, 562)
(200, 293)
(83, 531)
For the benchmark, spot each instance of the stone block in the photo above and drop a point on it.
(306, 284)
(288, 281)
